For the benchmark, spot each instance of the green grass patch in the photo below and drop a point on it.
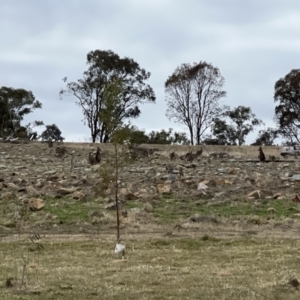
(169, 210)
(132, 204)
(69, 211)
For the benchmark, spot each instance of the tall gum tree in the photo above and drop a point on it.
(103, 68)
(287, 112)
(193, 97)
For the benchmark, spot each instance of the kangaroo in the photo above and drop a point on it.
(169, 169)
(140, 152)
(92, 159)
(61, 151)
(172, 156)
(272, 158)
(98, 155)
(261, 156)
(190, 156)
(180, 172)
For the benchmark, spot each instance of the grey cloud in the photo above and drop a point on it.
(253, 43)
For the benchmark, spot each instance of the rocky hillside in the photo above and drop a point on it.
(35, 170)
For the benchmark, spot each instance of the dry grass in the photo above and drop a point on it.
(155, 268)
(168, 257)
(239, 151)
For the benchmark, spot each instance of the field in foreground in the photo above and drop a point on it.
(161, 267)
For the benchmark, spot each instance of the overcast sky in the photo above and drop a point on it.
(253, 43)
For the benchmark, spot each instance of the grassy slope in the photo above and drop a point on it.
(166, 210)
(164, 268)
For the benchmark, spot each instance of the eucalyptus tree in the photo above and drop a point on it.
(104, 67)
(235, 126)
(287, 111)
(52, 133)
(193, 97)
(266, 137)
(15, 104)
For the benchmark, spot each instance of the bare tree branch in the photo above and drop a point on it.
(193, 94)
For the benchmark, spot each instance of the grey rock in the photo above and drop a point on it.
(296, 177)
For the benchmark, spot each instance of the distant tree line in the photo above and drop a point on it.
(138, 136)
(112, 89)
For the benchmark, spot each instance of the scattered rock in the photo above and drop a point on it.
(204, 219)
(113, 206)
(164, 189)
(148, 207)
(38, 174)
(271, 210)
(66, 191)
(97, 214)
(294, 282)
(254, 195)
(35, 204)
(78, 195)
(277, 196)
(202, 186)
(131, 196)
(232, 171)
(31, 191)
(296, 177)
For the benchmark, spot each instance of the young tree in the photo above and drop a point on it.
(112, 102)
(103, 68)
(193, 94)
(14, 105)
(119, 135)
(120, 158)
(287, 112)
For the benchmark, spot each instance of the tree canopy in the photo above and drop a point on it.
(52, 133)
(168, 137)
(14, 105)
(104, 67)
(287, 112)
(138, 136)
(193, 94)
(266, 137)
(242, 121)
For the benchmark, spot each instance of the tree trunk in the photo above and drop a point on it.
(106, 138)
(191, 135)
(94, 137)
(198, 138)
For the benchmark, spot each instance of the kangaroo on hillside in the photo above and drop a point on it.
(261, 156)
(190, 156)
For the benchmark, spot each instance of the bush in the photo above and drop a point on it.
(52, 133)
